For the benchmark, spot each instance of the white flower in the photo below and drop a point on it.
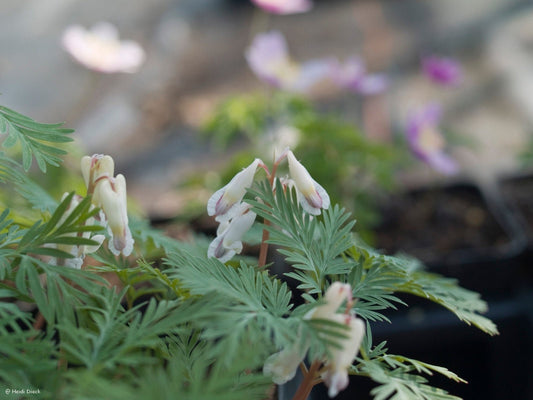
(284, 6)
(78, 251)
(282, 366)
(224, 202)
(229, 234)
(110, 195)
(310, 194)
(101, 50)
(95, 167)
(340, 359)
(336, 294)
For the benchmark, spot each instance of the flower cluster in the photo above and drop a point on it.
(282, 366)
(109, 193)
(100, 49)
(236, 217)
(268, 57)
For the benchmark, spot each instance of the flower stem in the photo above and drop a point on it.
(307, 384)
(264, 247)
(264, 240)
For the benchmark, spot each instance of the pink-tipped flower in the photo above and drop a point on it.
(78, 251)
(100, 49)
(284, 6)
(442, 70)
(269, 59)
(224, 202)
(341, 358)
(352, 75)
(229, 234)
(110, 195)
(311, 195)
(426, 141)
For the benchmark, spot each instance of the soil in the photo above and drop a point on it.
(441, 224)
(518, 193)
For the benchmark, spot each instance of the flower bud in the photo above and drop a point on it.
(222, 203)
(310, 194)
(94, 168)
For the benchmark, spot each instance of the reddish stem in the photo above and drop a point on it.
(309, 381)
(263, 251)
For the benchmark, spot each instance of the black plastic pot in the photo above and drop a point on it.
(459, 231)
(517, 192)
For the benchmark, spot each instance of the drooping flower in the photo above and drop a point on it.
(229, 234)
(110, 195)
(268, 57)
(284, 6)
(100, 49)
(341, 358)
(282, 366)
(225, 202)
(95, 167)
(77, 251)
(426, 141)
(442, 70)
(311, 195)
(352, 75)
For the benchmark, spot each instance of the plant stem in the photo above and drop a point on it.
(307, 384)
(264, 247)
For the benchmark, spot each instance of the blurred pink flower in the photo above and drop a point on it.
(352, 75)
(269, 59)
(426, 142)
(284, 6)
(442, 70)
(100, 49)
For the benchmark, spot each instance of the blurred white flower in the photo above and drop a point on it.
(284, 6)
(341, 358)
(100, 49)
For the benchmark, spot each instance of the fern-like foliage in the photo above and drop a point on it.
(37, 140)
(322, 250)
